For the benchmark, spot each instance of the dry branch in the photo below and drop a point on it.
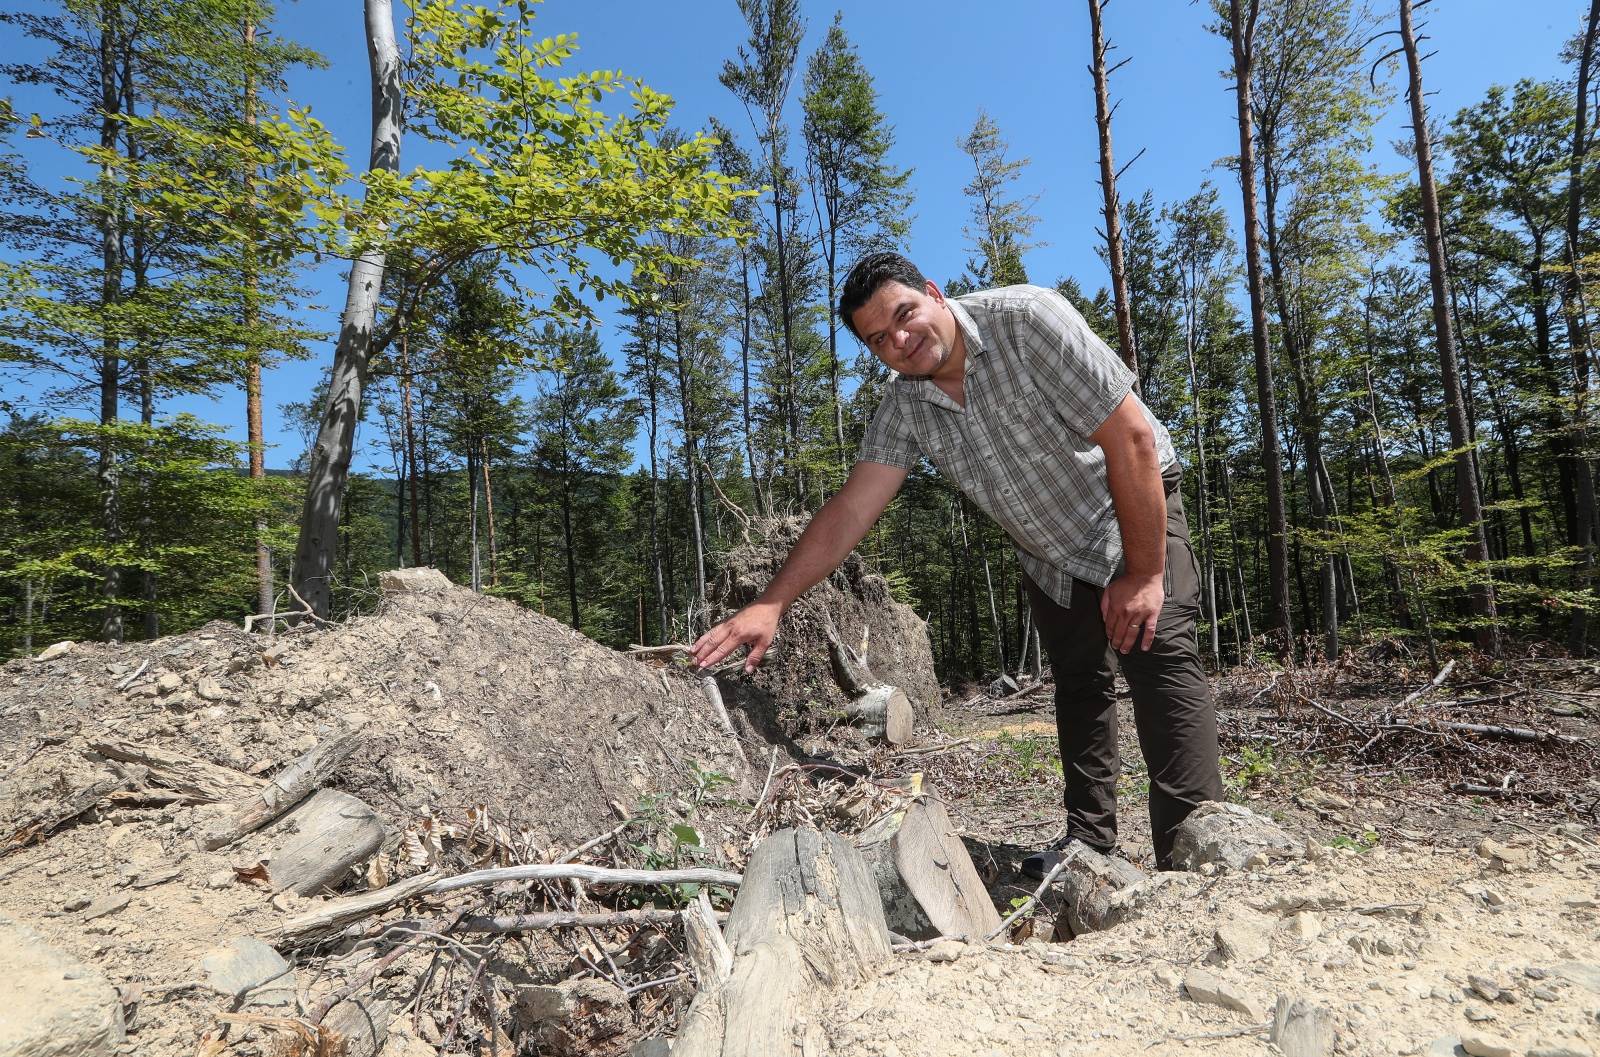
(43, 823)
(200, 779)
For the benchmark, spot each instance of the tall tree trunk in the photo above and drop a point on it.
(568, 537)
(108, 468)
(1476, 551)
(763, 503)
(1242, 34)
(409, 430)
(691, 459)
(1108, 186)
(472, 517)
(265, 591)
(488, 510)
(330, 457)
(1578, 338)
(1208, 572)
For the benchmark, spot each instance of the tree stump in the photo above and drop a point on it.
(807, 921)
(925, 877)
(880, 710)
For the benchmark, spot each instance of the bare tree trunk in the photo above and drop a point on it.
(265, 590)
(330, 456)
(657, 561)
(411, 449)
(1243, 33)
(1108, 185)
(994, 611)
(691, 461)
(1578, 338)
(488, 510)
(108, 469)
(1208, 568)
(1476, 550)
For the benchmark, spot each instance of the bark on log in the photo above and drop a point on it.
(807, 921)
(301, 777)
(925, 877)
(43, 823)
(196, 778)
(328, 835)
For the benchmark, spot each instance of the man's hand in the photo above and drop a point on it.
(1130, 606)
(753, 626)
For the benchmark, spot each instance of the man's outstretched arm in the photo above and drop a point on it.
(832, 534)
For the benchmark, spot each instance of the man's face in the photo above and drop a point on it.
(911, 331)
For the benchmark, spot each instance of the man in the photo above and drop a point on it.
(1034, 418)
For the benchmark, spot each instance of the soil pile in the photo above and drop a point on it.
(478, 716)
(794, 691)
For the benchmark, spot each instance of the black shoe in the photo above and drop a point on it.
(1037, 864)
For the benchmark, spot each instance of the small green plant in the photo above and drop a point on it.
(1364, 841)
(1255, 765)
(1031, 758)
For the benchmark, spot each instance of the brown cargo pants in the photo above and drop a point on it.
(1172, 706)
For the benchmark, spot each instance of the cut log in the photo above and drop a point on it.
(268, 801)
(335, 914)
(925, 877)
(807, 921)
(327, 836)
(196, 778)
(880, 710)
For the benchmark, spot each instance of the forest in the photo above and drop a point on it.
(1378, 383)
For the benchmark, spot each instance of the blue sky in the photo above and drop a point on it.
(935, 64)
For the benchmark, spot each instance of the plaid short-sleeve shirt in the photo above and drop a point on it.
(1038, 383)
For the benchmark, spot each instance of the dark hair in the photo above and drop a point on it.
(871, 272)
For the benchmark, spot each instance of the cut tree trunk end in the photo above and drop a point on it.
(925, 877)
(880, 710)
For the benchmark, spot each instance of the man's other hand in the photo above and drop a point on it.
(753, 626)
(1130, 607)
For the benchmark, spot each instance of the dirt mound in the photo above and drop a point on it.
(468, 703)
(1409, 951)
(794, 692)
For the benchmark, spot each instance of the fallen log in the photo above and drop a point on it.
(807, 921)
(198, 779)
(880, 710)
(924, 875)
(328, 835)
(268, 801)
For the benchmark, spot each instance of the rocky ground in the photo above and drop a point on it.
(1449, 903)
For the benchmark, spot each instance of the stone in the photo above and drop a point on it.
(415, 581)
(1560, 1049)
(1210, 989)
(105, 905)
(1478, 1015)
(1301, 1029)
(167, 683)
(656, 1047)
(1480, 1045)
(946, 951)
(246, 968)
(1305, 926)
(52, 1005)
(1230, 835)
(1322, 800)
(1483, 987)
(1583, 974)
(1098, 891)
(220, 879)
(1504, 856)
(1244, 937)
(210, 690)
(54, 650)
(1445, 1046)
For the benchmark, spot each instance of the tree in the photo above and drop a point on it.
(1112, 209)
(1476, 549)
(1000, 226)
(858, 196)
(538, 176)
(1240, 29)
